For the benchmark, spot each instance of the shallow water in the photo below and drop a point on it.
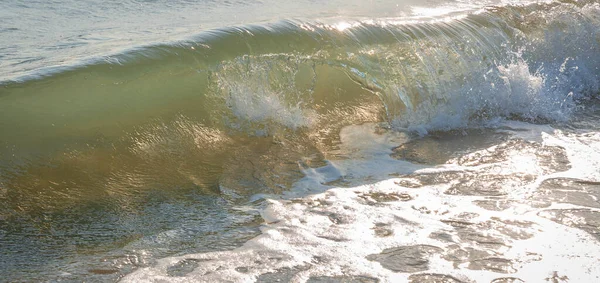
(522, 210)
(305, 141)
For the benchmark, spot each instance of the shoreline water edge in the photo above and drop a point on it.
(453, 141)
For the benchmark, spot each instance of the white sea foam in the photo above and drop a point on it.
(542, 79)
(506, 90)
(394, 231)
(263, 107)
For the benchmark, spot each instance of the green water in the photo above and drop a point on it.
(115, 154)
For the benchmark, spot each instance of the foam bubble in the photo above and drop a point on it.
(413, 227)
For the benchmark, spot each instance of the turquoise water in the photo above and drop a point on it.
(132, 131)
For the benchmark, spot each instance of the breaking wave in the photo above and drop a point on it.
(533, 62)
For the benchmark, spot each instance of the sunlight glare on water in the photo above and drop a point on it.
(304, 141)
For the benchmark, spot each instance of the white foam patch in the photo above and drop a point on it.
(582, 149)
(340, 231)
(263, 106)
(503, 91)
(364, 154)
(542, 79)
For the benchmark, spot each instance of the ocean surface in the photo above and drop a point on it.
(300, 141)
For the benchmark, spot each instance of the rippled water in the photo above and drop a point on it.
(38, 35)
(521, 209)
(344, 141)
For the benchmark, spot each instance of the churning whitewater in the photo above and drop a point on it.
(454, 141)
